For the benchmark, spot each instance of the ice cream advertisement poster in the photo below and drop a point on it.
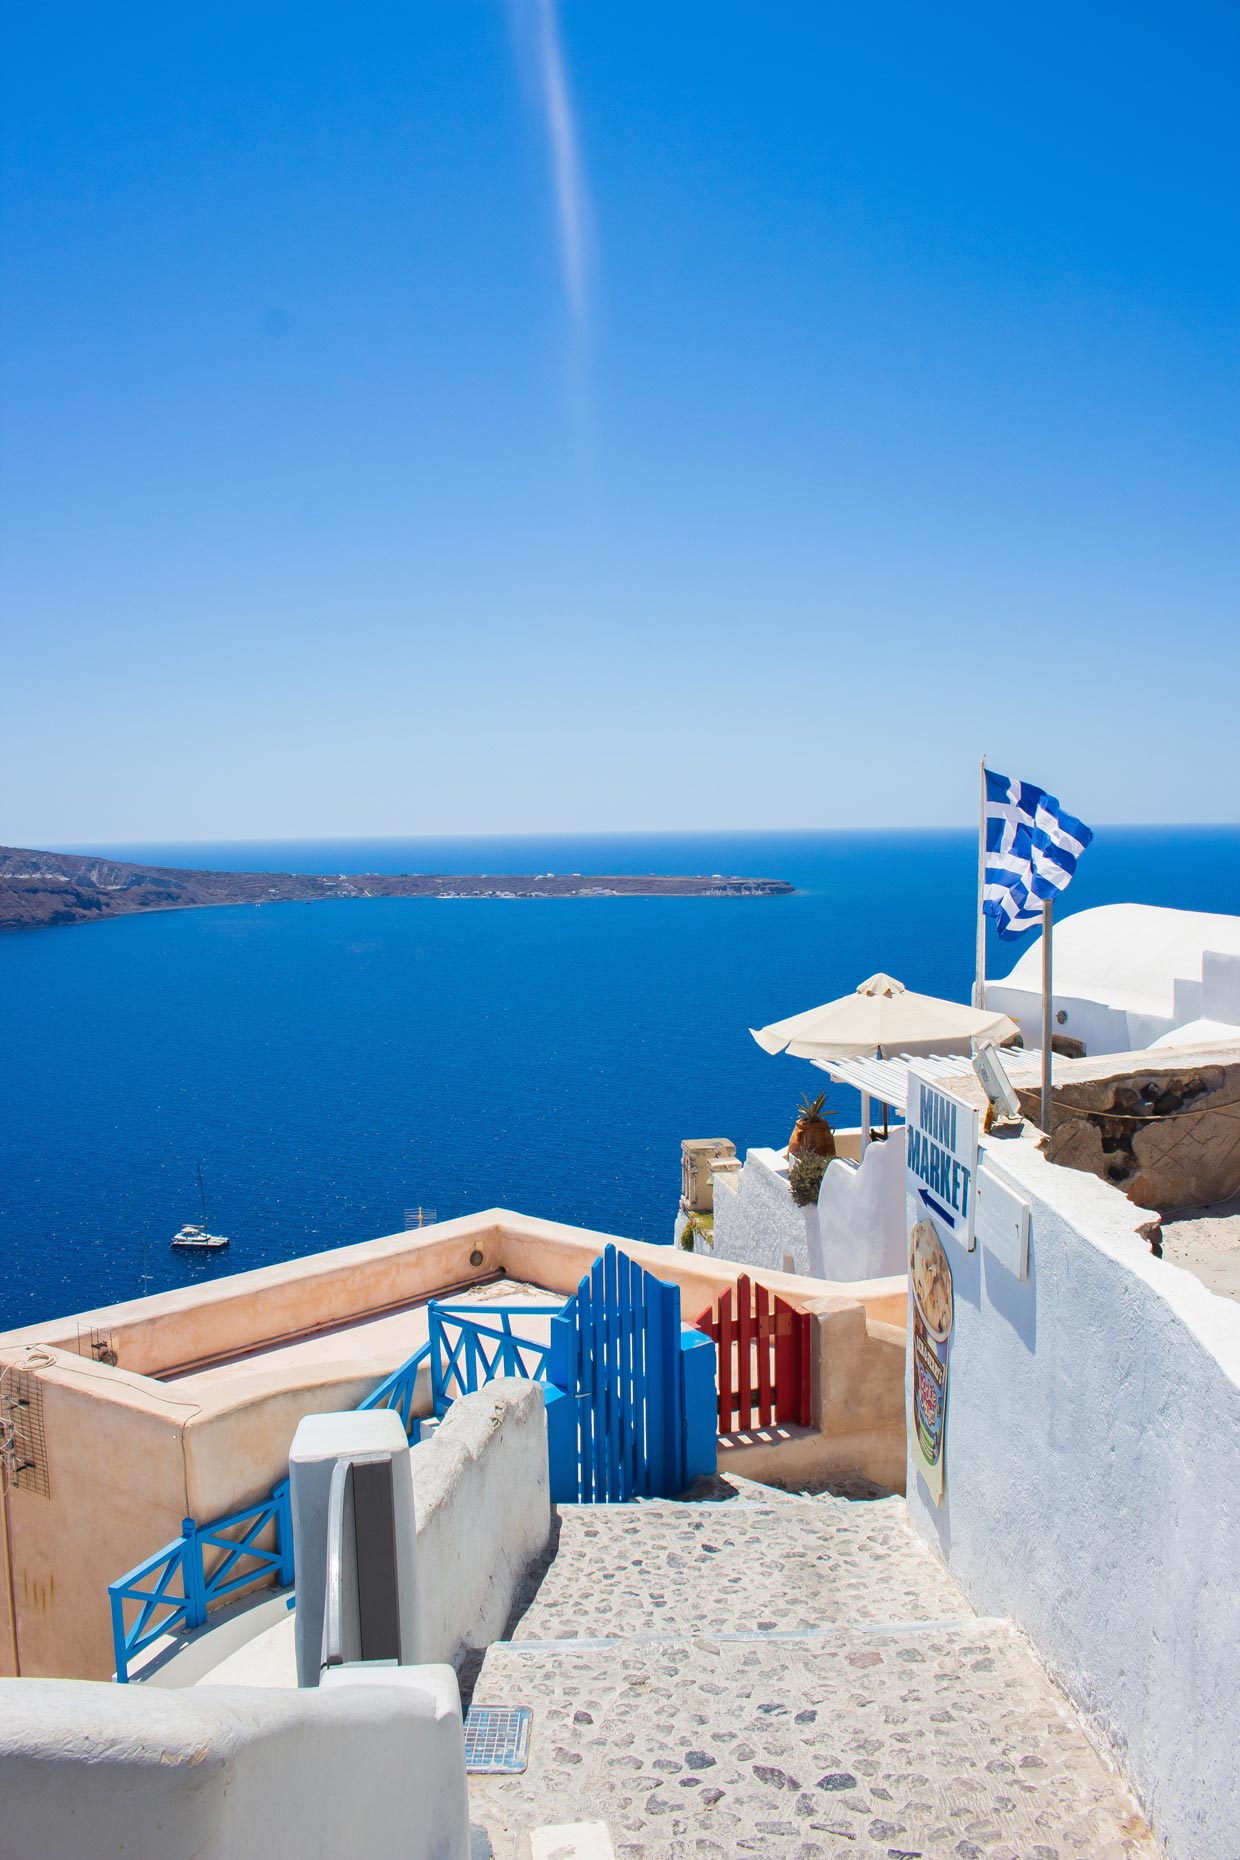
(930, 1276)
(942, 1169)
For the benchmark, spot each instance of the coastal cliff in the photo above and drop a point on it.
(42, 888)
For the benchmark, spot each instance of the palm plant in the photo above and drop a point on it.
(812, 1134)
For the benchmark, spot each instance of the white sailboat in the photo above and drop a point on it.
(194, 1237)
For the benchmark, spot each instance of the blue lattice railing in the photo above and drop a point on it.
(469, 1345)
(162, 1598)
(173, 1590)
(398, 1392)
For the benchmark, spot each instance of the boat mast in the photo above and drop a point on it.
(202, 1196)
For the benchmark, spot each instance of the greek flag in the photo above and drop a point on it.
(1032, 847)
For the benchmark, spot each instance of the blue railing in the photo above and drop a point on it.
(174, 1588)
(398, 1392)
(162, 1608)
(467, 1350)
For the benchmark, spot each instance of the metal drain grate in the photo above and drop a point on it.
(497, 1739)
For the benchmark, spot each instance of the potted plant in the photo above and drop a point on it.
(812, 1134)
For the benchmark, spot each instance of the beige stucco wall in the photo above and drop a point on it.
(174, 1331)
(130, 1455)
(116, 1463)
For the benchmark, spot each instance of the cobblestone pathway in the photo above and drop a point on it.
(787, 1678)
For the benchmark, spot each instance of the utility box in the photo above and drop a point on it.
(355, 1542)
(698, 1156)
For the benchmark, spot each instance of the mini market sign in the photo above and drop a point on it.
(942, 1156)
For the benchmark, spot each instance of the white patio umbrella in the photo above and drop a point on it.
(882, 1018)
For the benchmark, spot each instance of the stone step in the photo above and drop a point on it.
(668, 1568)
(918, 1742)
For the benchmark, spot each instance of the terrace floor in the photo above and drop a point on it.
(1206, 1242)
(782, 1676)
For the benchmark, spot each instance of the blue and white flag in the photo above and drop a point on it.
(1032, 847)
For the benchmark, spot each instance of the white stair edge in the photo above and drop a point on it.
(568, 1840)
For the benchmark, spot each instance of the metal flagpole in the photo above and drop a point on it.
(1047, 1107)
(979, 981)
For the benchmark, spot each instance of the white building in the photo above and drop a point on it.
(1128, 976)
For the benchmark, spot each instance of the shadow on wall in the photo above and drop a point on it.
(1014, 1300)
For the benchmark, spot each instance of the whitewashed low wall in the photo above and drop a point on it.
(856, 1231)
(1092, 1473)
(482, 1499)
(861, 1231)
(758, 1223)
(209, 1774)
(1101, 1026)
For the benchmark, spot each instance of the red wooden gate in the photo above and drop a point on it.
(763, 1352)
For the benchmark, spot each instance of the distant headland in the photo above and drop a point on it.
(41, 888)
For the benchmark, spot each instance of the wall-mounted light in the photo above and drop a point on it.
(995, 1082)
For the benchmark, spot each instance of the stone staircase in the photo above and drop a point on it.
(785, 1676)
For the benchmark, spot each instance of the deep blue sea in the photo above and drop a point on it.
(333, 1064)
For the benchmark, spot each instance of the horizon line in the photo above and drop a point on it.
(598, 833)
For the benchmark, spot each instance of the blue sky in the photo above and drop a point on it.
(488, 415)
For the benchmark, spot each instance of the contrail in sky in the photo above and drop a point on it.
(572, 206)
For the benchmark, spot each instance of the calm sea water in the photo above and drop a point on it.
(334, 1064)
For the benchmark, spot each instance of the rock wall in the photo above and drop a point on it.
(1164, 1127)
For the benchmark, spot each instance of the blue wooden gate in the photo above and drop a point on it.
(630, 1395)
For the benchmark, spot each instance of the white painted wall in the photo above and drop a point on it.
(760, 1224)
(1217, 1006)
(1220, 987)
(856, 1231)
(483, 1507)
(860, 1229)
(374, 1769)
(1093, 1467)
(1102, 1027)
